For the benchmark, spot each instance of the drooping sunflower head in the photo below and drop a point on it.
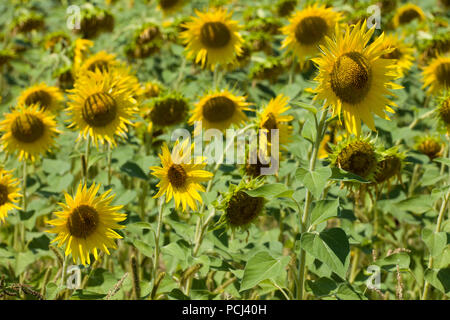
(238, 207)
(272, 118)
(354, 79)
(64, 78)
(408, 13)
(219, 110)
(390, 166)
(180, 176)
(55, 39)
(170, 6)
(356, 155)
(152, 89)
(86, 223)
(94, 20)
(285, 7)
(212, 38)
(443, 111)
(430, 145)
(103, 104)
(29, 131)
(437, 75)
(432, 48)
(401, 53)
(308, 29)
(167, 110)
(28, 21)
(146, 41)
(268, 69)
(267, 25)
(46, 97)
(9, 192)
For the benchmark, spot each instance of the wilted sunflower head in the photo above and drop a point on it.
(170, 6)
(356, 155)
(46, 97)
(390, 166)
(438, 45)
(103, 104)
(437, 75)
(9, 192)
(407, 13)
(28, 131)
(219, 110)
(212, 38)
(152, 89)
(285, 7)
(239, 208)
(64, 78)
(27, 22)
(146, 41)
(94, 20)
(430, 145)
(168, 110)
(308, 29)
(443, 111)
(269, 69)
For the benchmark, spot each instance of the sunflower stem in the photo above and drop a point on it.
(86, 159)
(304, 220)
(157, 236)
(426, 288)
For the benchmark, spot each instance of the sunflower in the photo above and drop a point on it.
(101, 60)
(406, 14)
(308, 29)
(80, 51)
(219, 110)
(170, 6)
(29, 131)
(272, 118)
(86, 223)
(146, 41)
(391, 166)
(9, 192)
(238, 207)
(166, 111)
(401, 54)
(179, 177)
(443, 111)
(430, 145)
(268, 69)
(353, 79)
(285, 7)
(48, 98)
(103, 104)
(212, 38)
(437, 75)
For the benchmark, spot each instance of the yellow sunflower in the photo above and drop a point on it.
(406, 14)
(308, 29)
(272, 118)
(401, 54)
(29, 131)
(9, 192)
(86, 223)
(80, 51)
(101, 60)
(48, 98)
(437, 75)
(353, 79)
(170, 6)
(212, 38)
(103, 104)
(180, 178)
(219, 110)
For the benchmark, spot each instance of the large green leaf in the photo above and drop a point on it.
(436, 242)
(269, 191)
(440, 279)
(323, 210)
(314, 181)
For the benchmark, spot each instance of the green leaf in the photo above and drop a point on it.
(330, 246)
(436, 242)
(322, 286)
(133, 170)
(440, 279)
(314, 181)
(390, 263)
(55, 166)
(143, 247)
(445, 161)
(338, 174)
(347, 292)
(305, 106)
(323, 210)
(262, 266)
(270, 191)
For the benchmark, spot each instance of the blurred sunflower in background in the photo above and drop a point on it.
(29, 131)
(219, 110)
(401, 52)
(353, 79)
(167, 110)
(443, 111)
(86, 223)
(9, 192)
(181, 177)
(212, 38)
(436, 76)
(430, 146)
(102, 105)
(102, 61)
(170, 6)
(407, 13)
(308, 29)
(46, 97)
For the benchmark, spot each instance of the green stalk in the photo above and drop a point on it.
(308, 199)
(157, 237)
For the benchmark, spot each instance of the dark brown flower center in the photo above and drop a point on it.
(166, 4)
(101, 65)
(3, 194)
(395, 54)
(357, 158)
(444, 111)
(431, 148)
(215, 35)
(41, 97)
(311, 30)
(443, 74)
(99, 109)
(350, 77)
(27, 128)
(243, 209)
(408, 16)
(83, 221)
(177, 176)
(168, 112)
(286, 7)
(218, 109)
(387, 168)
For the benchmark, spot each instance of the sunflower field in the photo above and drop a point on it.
(224, 150)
